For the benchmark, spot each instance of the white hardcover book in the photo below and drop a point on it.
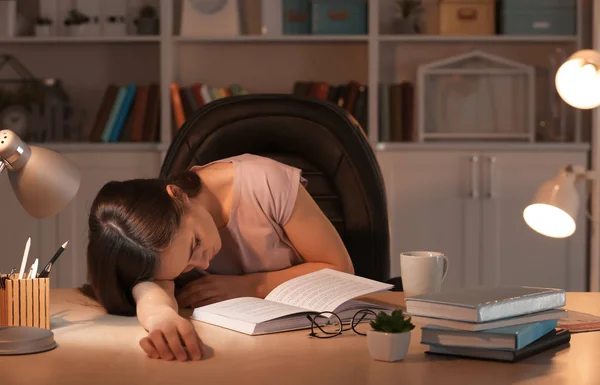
(271, 14)
(286, 307)
(484, 304)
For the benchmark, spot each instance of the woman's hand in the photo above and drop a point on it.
(214, 288)
(169, 335)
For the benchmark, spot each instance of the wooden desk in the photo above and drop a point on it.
(95, 348)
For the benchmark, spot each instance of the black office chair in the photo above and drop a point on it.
(318, 137)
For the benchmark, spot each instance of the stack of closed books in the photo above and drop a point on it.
(503, 324)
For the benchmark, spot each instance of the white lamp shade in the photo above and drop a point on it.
(554, 207)
(578, 80)
(46, 184)
(43, 181)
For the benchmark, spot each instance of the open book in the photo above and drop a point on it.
(285, 307)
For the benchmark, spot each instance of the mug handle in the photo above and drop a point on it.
(446, 266)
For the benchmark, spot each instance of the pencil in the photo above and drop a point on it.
(46, 272)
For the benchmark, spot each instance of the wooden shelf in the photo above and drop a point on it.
(479, 146)
(476, 39)
(275, 39)
(79, 40)
(99, 147)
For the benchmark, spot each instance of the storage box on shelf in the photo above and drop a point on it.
(332, 17)
(538, 17)
(467, 17)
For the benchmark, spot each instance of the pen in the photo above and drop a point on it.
(46, 272)
(33, 270)
(25, 255)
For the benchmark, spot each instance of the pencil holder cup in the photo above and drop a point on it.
(24, 302)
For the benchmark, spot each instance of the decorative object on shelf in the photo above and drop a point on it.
(296, 17)
(271, 18)
(92, 10)
(476, 96)
(335, 17)
(389, 338)
(210, 18)
(8, 18)
(148, 22)
(407, 17)
(36, 109)
(114, 17)
(77, 23)
(468, 17)
(43, 26)
(518, 17)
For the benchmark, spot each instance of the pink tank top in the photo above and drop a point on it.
(263, 199)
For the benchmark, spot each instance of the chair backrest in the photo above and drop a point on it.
(316, 136)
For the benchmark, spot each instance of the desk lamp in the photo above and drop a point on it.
(44, 182)
(554, 207)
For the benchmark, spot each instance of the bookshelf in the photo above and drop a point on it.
(425, 182)
(371, 59)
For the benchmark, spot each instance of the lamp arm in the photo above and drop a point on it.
(2, 165)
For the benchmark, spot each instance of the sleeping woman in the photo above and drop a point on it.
(235, 227)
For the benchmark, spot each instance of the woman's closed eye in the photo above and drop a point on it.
(195, 244)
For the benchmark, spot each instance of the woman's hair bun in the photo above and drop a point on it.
(188, 181)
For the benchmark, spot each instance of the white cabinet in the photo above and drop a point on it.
(71, 224)
(468, 203)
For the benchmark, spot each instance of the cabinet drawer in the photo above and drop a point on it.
(467, 18)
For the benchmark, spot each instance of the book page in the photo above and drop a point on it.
(324, 290)
(255, 310)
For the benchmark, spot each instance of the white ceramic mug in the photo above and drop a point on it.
(423, 272)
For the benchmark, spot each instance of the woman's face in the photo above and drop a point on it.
(194, 245)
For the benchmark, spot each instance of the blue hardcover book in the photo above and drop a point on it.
(123, 113)
(114, 112)
(506, 338)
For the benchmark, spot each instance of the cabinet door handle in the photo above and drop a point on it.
(491, 176)
(474, 176)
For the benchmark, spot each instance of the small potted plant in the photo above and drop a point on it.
(406, 16)
(389, 338)
(42, 26)
(76, 22)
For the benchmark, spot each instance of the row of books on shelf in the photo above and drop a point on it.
(502, 323)
(352, 96)
(187, 99)
(128, 113)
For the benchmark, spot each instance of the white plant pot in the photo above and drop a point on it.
(388, 347)
(43, 30)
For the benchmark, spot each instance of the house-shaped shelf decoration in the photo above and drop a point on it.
(476, 96)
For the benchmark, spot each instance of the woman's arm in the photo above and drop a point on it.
(315, 238)
(158, 313)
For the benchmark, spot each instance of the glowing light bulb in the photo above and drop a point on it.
(578, 83)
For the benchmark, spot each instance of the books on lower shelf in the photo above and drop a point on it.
(128, 113)
(286, 307)
(501, 323)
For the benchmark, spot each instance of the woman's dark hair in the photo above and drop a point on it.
(130, 223)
